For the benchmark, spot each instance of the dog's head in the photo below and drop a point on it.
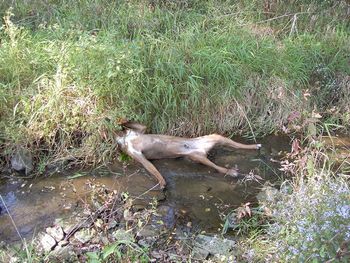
(128, 129)
(132, 125)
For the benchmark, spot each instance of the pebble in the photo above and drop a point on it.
(47, 242)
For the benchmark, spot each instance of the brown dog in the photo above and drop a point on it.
(143, 147)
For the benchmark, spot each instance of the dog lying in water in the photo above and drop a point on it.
(144, 147)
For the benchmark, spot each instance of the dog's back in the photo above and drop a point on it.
(143, 147)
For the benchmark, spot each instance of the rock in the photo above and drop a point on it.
(121, 234)
(56, 232)
(63, 254)
(267, 195)
(100, 238)
(85, 235)
(148, 242)
(167, 215)
(162, 221)
(65, 224)
(142, 203)
(143, 243)
(204, 246)
(149, 231)
(22, 160)
(112, 224)
(47, 242)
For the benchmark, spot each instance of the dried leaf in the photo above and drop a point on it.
(316, 115)
(296, 147)
(247, 209)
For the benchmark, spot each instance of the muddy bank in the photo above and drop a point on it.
(197, 194)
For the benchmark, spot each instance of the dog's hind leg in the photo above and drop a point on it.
(223, 141)
(204, 160)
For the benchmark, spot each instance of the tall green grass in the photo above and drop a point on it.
(181, 67)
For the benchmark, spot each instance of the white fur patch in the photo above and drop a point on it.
(126, 141)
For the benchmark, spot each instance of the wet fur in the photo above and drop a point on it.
(144, 147)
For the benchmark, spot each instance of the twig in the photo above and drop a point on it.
(13, 222)
(84, 223)
(246, 117)
(242, 12)
(275, 18)
(294, 25)
(89, 220)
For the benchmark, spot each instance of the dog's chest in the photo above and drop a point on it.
(125, 141)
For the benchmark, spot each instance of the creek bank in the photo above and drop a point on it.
(196, 200)
(154, 231)
(22, 160)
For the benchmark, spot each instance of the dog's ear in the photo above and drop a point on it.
(132, 125)
(122, 121)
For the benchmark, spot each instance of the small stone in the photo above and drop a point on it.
(167, 214)
(22, 160)
(128, 216)
(105, 240)
(85, 235)
(63, 254)
(112, 224)
(211, 245)
(121, 234)
(148, 231)
(56, 232)
(47, 242)
(267, 195)
(65, 224)
(138, 207)
(143, 243)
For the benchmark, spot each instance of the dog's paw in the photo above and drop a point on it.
(232, 172)
(162, 185)
(258, 146)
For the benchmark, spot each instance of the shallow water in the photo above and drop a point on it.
(197, 193)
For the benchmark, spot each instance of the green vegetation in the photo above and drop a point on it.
(182, 67)
(306, 220)
(70, 69)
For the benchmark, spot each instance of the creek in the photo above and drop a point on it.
(197, 193)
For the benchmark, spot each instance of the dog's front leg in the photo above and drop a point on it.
(138, 156)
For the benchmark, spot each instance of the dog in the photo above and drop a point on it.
(143, 147)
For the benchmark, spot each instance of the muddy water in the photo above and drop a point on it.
(197, 193)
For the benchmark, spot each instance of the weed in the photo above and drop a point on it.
(309, 216)
(246, 221)
(182, 68)
(68, 69)
(315, 232)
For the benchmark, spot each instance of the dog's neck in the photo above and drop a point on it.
(123, 137)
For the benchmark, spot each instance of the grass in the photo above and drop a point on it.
(70, 69)
(184, 68)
